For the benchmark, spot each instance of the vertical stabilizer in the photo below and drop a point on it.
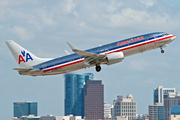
(23, 57)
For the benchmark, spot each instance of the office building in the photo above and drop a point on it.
(139, 116)
(122, 117)
(74, 95)
(125, 107)
(30, 117)
(175, 110)
(93, 100)
(25, 109)
(48, 117)
(51, 117)
(161, 93)
(174, 117)
(156, 111)
(146, 117)
(142, 117)
(107, 110)
(169, 102)
(112, 111)
(117, 118)
(89, 76)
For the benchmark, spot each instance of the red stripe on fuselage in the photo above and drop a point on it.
(148, 42)
(63, 65)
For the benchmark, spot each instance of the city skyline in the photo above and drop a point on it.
(37, 25)
(96, 88)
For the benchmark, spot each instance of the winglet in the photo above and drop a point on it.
(72, 46)
(67, 53)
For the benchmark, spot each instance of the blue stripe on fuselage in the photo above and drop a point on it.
(97, 50)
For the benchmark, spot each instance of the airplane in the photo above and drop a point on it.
(106, 54)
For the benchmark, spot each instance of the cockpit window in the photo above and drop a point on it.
(164, 34)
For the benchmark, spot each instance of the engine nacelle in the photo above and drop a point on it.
(115, 58)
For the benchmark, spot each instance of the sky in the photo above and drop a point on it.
(43, 27)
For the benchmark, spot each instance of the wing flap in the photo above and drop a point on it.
(23, 69)
(88, 54)
(83, 53)
(90, 58)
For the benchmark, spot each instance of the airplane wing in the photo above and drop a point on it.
(22, 69)
(83, 53)
(90, 58)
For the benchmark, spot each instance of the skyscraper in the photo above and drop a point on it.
(89, 76)
(125, 107)
(161, 93)
(107, 110)
(169, 102)
(93, 100)
(156, 112)
(74, 95)
(25, 109)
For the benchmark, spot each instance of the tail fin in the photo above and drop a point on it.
(23, 57)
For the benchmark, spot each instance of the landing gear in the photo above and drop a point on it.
(162, 51)
(98, 68)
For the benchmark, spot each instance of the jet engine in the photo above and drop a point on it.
(114, 58)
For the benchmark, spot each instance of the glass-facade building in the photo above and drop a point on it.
(89, 76)
(156, 112)
(161, 93)
(160, 112)
(25, 109)
(175, 110)
(74, 93)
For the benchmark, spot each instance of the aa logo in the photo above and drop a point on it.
(25, 55)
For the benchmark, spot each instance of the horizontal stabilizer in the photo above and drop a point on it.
(67, 53)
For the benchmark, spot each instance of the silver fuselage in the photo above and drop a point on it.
(150, 42)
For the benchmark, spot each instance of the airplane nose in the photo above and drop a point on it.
(173, 37)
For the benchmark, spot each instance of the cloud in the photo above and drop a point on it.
(22, 33)
(69, 6)
(129, 17)
(113, 7)
(147, 2)
(126, 17)
(139, 64)
(8, 3)
(47, 18)
(155, 81)
(82, 24)
(35, 23)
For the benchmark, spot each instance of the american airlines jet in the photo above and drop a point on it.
(106, 54)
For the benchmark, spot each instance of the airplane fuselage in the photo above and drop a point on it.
(128, 47)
